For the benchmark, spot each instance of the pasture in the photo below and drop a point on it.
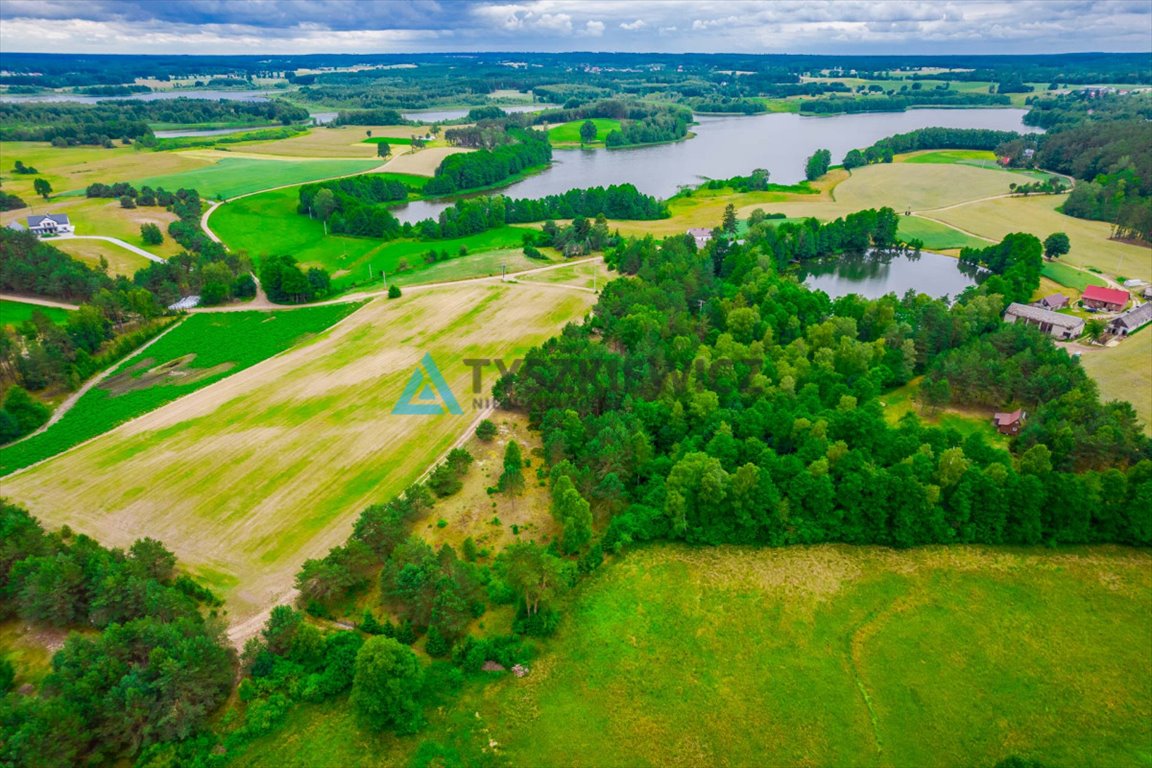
(567, 134)
(828, 655)
(232, 176)
(247, 478)
(1124, 372)
(15, 313)
(203, 349)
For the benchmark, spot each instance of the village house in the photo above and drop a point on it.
(1053, 323)
(700, 235)
(1009, 423)
(1053, 302)
(1108, 299)
(1131, 321)
(49, 224)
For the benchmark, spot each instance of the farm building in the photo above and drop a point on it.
(1110, 299)
(700, 235)
(1053, 302)
(1131, 321)
(48, 224)
(1053, 323)
(1009, 423)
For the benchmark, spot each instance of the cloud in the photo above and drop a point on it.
(752, 26)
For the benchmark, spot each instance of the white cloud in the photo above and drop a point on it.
(634, 26)
(594, 28)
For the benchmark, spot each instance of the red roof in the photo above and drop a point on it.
(1005, 419)
(1106, 295)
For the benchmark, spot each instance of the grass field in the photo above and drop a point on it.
(1070, 277)
(937, 236)
(978, 157)
(72, 168)
(244, 226)
(204, 349)
(342, 141)
(14, 313)
(1124, 372)
(827, 655)
(121, 261)
(101, 216)
(483, 264)
(230, 177)
(248, 477)
(569, 133)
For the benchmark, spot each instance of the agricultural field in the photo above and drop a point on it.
(203, 349)
(839, 655)
(567, 134)
(74, 168)
(15, 313)
(345, 141)
(121, 261)
(232, 176)
(237, 477)
(1124, 372)
(937, 236)
(423, 162)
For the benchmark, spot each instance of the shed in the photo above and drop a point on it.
(1132, 320)
(1009, 422)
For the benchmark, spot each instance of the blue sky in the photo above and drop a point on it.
(749, 26)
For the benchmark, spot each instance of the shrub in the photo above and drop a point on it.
(394, 291)
(486, 430)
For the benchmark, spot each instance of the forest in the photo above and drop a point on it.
(488, 167)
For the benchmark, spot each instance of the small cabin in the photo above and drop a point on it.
(1054, 302)
(1009, 423)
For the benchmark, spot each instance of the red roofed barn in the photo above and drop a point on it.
(1111, 299)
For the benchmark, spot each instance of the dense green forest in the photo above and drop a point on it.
(150, 665)
(104, 122)
(489, 167)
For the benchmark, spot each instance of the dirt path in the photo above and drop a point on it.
(37, 301)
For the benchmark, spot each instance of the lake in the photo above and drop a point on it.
(732, 146)
(875, 275)
(154, 96)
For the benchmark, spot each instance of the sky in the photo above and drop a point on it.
(671, 26)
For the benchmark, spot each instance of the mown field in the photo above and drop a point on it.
(121, 261)
(15, 313)
(203, 349)
(268, 224)
(229, 177)
(1124, 372)
(569, 133)
(101, 216)
(342, 141)
(828, 655)
(74, 168)
(247, 478)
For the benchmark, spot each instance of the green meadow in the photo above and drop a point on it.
(937, 236)
(1069, 276)
(569, 133)
(15, 313)
(830, 655)
(203, 349)
(230, 177)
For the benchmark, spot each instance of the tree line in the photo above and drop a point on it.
(487, 167)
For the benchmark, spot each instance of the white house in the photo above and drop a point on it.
(701, 236)
(50, 224)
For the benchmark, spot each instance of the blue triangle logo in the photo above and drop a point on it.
(427, 393)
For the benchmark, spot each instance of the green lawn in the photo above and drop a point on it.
(203, 349)
(267, 224)
(830, 655)
(569, 133)
(937, 236)
(239, 176)
(388, 140)
(1066, 275)
(14, 313)
(976, 157)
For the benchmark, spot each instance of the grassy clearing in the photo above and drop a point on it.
(239, 176)
(569, 133)
(903, 400)
(1070, 277)
(121, 261)
(100, 216)
(937, 236)
(29, 649)
(966, 655)
(979, 157)
(1124, 372)
(247, 478)
(590, 275)
(485, 264)
(204, 349)
(14, 313)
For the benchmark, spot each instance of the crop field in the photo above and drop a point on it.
(1038, 215)
(345, 141)
(483, 264)
(203, 349)
(121, 261)
(423, 162)
(229, 177)
(14, 313)
(1124, 372)
(836, 655)
(244, 226)
(569, 133)
(247, 478)
(74, 168)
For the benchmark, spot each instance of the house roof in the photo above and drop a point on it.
(1106, 295)
(1055, 300)
(16, 226)
(1135, 317)
(700, 232)
(59, 218)
(1041, 315)
(1008, 418)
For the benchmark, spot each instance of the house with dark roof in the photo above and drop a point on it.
(1053, 302)
(700, 235)
(1131, 321)
(49, 224)
(1099, 297)
(1009, 423)
(1053, 323)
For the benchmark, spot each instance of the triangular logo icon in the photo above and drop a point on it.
(427, 393)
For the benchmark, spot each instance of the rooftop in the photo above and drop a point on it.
(1107, 295)
(1041, 315)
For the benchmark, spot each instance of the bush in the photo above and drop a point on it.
(151, 234)
(486, 430)
(394, 291)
